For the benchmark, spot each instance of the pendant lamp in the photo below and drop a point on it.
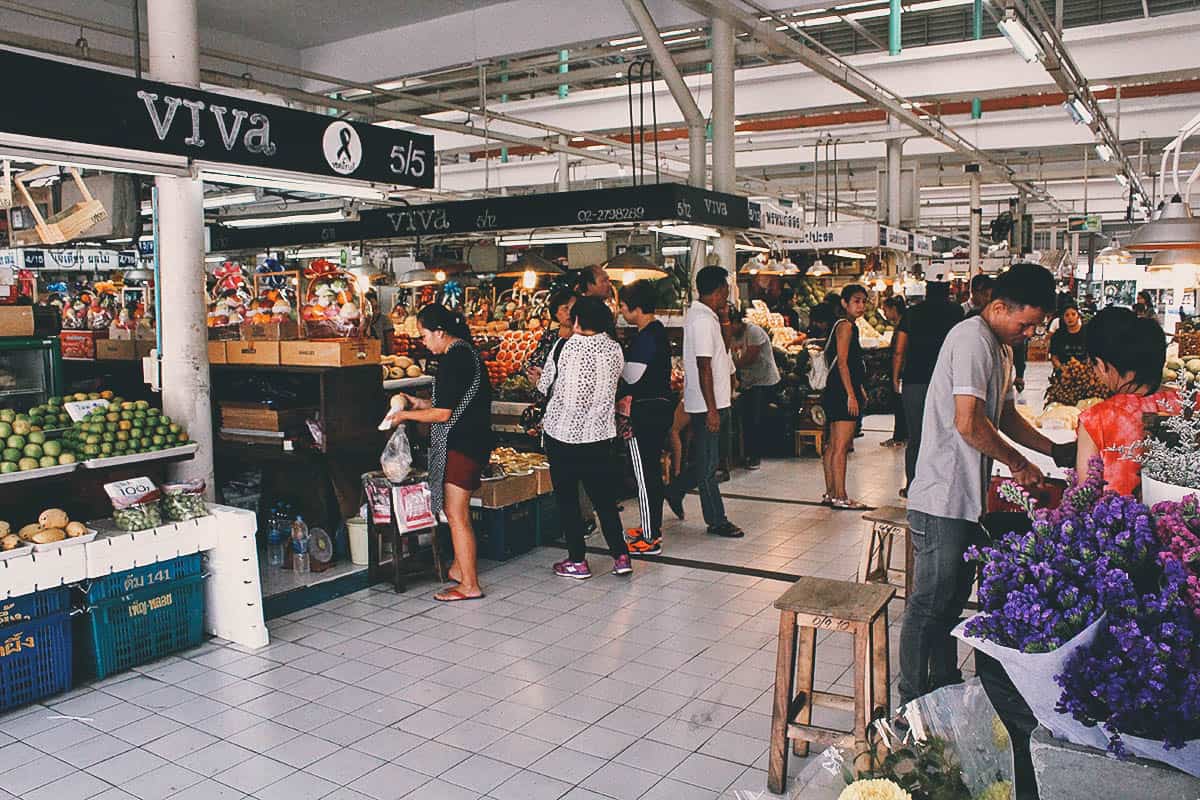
(1114, 255)
(417, 278)
(1171, 260)
(818, 269)
(1174, 228)
(630, 267)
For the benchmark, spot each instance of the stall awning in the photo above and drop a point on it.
(598, 207)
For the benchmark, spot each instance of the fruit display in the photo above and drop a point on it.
(516, 389)
(510, 356)
(793, 376)
(52, 525)
(787, 339)
(230, 296)
(333, 307)
(121, 428)
(1074, 382)
(183, 501)
(90, 307)
(26, 438)
(759, 315)
(1182, 372)
(397, 367)
(809, 294)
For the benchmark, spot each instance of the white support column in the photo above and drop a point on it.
(723, 122)
(976, 219)
(187, 395)
(895, 147)
(564, 166)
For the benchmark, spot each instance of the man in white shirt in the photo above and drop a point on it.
(707, 368)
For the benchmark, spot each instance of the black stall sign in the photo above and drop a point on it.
(77, 104)
(658, 202)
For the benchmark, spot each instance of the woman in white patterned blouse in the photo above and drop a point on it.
(579, 428)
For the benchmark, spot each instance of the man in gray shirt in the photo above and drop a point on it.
(969, 403)
(757, 376)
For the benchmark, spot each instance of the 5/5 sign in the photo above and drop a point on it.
(408, 161)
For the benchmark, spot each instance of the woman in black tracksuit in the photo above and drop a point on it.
(646, 381)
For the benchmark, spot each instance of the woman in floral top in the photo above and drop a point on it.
(1127, 355)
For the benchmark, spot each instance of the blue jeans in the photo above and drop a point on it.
(942, 583)
(701, 472)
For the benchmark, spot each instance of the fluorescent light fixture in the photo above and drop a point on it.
(217, 201)
(1104, 152)
(1079, 111)
(564, 237)
(1019, 36)
(624, 40)
(215, 259)
(316, 252)
(849, 254)
(1121, 179)
(699, 232)
(335, 215)
(16, 147)
(741, 248)
(272, 180)
(682, 249)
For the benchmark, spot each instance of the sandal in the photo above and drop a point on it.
(826, 500)
(456, 596)
(843, 504)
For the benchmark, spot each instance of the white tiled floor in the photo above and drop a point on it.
(655, 687)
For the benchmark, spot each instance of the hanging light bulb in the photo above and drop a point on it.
(440, 275)
(1114, 255)
(529, 279)
(628, 277)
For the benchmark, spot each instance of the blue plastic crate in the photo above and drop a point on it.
(549, 521)
(122, 583)
(35, 659)
(141, 626)
(504, 533)
(35, 605)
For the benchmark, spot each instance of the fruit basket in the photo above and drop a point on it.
(333, 307)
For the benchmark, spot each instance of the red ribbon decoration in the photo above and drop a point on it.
(229, 277)
(321, 268)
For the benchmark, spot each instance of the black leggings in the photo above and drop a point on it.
(594, 464)
(651, 421)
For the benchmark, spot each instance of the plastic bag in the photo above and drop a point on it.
(960, 716)
(396, 460)
(184, 500)
(135, 504)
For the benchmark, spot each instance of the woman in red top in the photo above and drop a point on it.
(1127, 354)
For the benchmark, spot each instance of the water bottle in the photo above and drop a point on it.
(276, 540)
(300, 545)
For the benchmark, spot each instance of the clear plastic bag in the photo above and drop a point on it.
(396, 460)
(960, 717)
(184, 500)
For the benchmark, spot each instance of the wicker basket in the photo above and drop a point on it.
(1189, 344)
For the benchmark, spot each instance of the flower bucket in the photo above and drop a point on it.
(1154, 491)
(1033, 676)
(1186, 760)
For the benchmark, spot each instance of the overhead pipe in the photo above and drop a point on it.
(692, 116)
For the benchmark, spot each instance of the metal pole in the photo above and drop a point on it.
(186, 391)
(894, 28)
(564, 177)
(723, 122)
(894, 148)
(976, 218)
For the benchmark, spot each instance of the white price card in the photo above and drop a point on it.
(128, 492)
(78, 409)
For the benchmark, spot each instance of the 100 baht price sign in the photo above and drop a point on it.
(72, 104)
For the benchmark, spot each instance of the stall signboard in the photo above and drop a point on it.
(855, 233)
(922, 245)
(79, 105)
(1081, 223)
(67, 259)
(893, 238)
(776, 221)
(619, 206)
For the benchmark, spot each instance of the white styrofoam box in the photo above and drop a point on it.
(116, 551)
(43, 570)
(233, 592)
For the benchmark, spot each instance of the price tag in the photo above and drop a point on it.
(78, 409)
(129, 492)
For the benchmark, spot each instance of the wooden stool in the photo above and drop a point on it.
(876, 563)
(813, 604)
(816, 436)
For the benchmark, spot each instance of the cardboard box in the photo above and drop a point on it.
(116, 350)
(216, 353)
(145, 333)
(330, 352)
(257, 417)
(16, 320)
(260, 353)
(120, 333)
(544, 485)
(142, 347)
(270, 331)
(80, 344)
(507, 491)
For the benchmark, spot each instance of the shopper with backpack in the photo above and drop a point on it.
(843, 396)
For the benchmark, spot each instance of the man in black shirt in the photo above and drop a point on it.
(1070, 340)
(917, 343)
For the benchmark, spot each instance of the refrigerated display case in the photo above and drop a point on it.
(30, 372)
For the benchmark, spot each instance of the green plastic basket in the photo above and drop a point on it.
(140, 627)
